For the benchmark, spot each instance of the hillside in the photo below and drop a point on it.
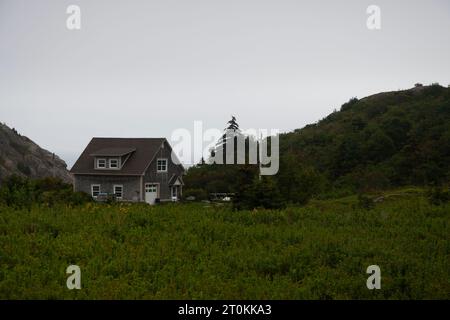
(388, 139)
(383, 141)
(21, 156)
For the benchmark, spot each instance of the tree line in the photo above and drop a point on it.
(383, 141)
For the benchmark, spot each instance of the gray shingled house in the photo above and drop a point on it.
(134, 169)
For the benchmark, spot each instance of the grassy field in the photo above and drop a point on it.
(194, 251)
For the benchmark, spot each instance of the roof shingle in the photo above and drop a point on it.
(143, 150)
(110, 152)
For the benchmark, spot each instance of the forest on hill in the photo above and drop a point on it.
(383, 141)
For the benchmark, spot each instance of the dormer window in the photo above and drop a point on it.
(114, 163)
(161, 165)
(101, 163)
(111, 158)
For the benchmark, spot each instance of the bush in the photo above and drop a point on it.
(262, 193)
(438, 196)
(51, 183)
(23, 192)
(365, 202)
(349, 104)
(198, 194)
(192, 251)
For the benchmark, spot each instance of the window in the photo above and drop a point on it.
(101, 163)
(118, 191)
(95, 190)
(161, 165)
(114, 163)
(149, 187)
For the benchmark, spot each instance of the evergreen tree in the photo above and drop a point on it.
(232, 131)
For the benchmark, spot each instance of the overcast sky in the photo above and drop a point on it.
(146, 68)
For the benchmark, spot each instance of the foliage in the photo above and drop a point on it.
(261, 193)
(298, 183)
(365, 202)
(387, 140)
(232, 124)
(198, 194)
(349, 104)
(397, 138)
(437, 195)
(191, 251)
(23, 192)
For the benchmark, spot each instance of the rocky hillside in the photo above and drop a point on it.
(21, 156)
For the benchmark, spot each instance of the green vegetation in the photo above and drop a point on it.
(384, 141)
(309, 232)
(195, 251)
(20, 192)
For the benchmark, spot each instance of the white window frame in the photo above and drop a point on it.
(92, 190)
(98, 161)
(154, 186)
(117, 161)
(158, 166)
(114, 191)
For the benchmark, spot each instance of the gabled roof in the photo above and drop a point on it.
(174, 179)
(141, 150)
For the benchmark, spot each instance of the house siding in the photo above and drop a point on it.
(162, 178)
(131, 185)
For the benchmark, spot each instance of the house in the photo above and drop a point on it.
(133, 169)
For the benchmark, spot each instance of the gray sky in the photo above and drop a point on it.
(146, 68)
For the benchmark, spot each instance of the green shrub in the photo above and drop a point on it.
(349, 104)
(193, 251)
(438, 195)
(198, 194)
(365, 202)
(262, 193)
(23, 192)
